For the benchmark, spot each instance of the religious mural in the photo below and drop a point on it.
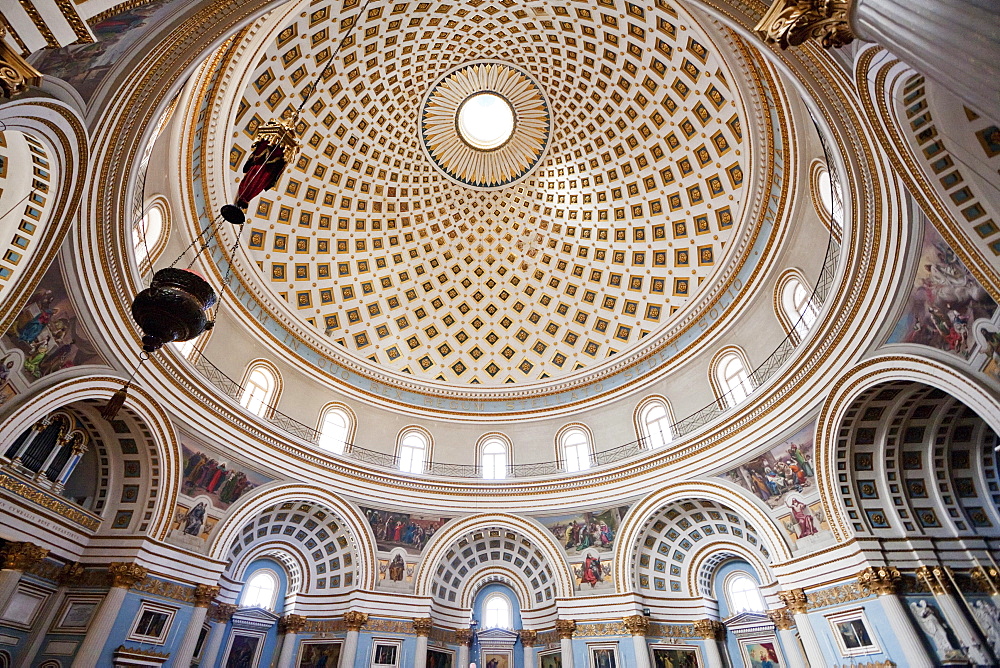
(988, 337)
(216, 478)
(944, 303)
(784, 469)
(48, 332)
(319, 654)
(440, 659)
(675, 657)
(806, 525)
(580, 531)
(194, 520)
(411, 532)
(761, 654)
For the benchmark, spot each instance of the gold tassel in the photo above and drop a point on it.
(115, 403)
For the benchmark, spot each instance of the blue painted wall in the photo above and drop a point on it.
(477, 614)
(271, 645)
(366, 647)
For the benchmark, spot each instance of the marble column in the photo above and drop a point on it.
(785, 625)
(69, 576)
(79, 449)
(713, 632)
(795, 601)
(53, 453)
(123, 577)
(939, 580)
(289, 626)
(36, 429)
(463, 637)
(565, 629)
(203, 596)
(218, 617)
(15, 559)
(528, 639)
(354, 621)
(884, 582)
(638, 627)
(422, 628)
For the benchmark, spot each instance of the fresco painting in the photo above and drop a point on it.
(784, 469)
(806, 525)
(944, 303)
(216, 478)
(596, 529)
(675, 657)
(411, 532)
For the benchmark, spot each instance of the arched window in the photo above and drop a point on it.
(575, 446)
(335, 429)
(260, 389)
(654, 423)
(827, 196)
(497, 613)
(413, 445)
(493, 453)
(147, 233)
(743, 594)
(733, 378)
(797, 305)
(261, 589)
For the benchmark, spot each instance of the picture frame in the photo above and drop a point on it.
(75, 614)
(320, 654)
(152, 623)
(24, 605)
(757, 650)
(243, 649)
(550, 659)
(676, 656)
(853, 634)
(440, 658)
(385, 653)
(498, 659)
(603, 656)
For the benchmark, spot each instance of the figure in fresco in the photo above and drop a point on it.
(400, 529)
(396, 568)
(194, 519)
(592, 572)
(803, 518)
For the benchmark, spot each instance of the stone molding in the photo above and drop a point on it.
(16, 75)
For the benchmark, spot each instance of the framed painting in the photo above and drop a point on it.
(152, 623)
(75, 614)
(550, 660)
(603, 656)
(670, 656)
(761, 653)
(497, 659)
(439, 658)
(314, 654)
(854, 636)
(244, 650)
(385, 653)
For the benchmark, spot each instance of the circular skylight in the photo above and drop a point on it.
(485, 121)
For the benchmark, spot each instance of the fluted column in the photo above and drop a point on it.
(638, 627)
(123, 576)
(36, 429)
(528, 639)
(712, 631)
(79, 449)
(463, 637)
(203, 595)
(15, 559)
(422, 628)
(290, 626)
(69, 576)
(565, 629)
(785, 624)
(354, 621)
(884, 581)
(218, 615)
(938, 579)
(795, 601)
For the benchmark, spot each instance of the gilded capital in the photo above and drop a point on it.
(355, 620)
(792, 22)
(291, 624)
(565, 627)
(637, 625)
(70, 574)
(937, 578)
(528, 638)
(883, 580)
(463, 636)
(710, 629)
(203, 595)
(782, 618)
(986, 578)
(126, 575)
(794, 600)
(17, 556)
(422, 627)
(221, 612)
(15, 72)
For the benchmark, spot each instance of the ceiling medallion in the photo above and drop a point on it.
(485, 124)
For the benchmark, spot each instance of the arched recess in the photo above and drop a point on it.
(863, 377)
(64, 135)
(139, 403)
(642, 513)
(439, 551)
(251, 506)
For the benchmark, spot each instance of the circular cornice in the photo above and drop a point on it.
(502, 160)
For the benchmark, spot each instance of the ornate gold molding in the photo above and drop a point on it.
(794, 600)
(565, 628)
(18, 556)
(528, 638)
(422, 627)
(637, 625)
(204, 594)
(355, 620)
(791, 22)
(221, 612)
(15, 72)
(782, 618)
(986, 578)
(937, 578)
(710, 629)
(291, 624)
(883, 580)
(126, 575)
(70, 575)
(464, 636)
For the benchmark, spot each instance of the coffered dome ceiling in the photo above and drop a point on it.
(608, 205)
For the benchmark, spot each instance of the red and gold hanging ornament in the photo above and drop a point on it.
(274, 149)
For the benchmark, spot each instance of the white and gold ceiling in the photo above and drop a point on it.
(612, 202)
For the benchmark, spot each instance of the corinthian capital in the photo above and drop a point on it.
(882, 580)
(21, 556)
(355, 620)
(528, 638)
(422, 627)
(637, 625)
(937, 578)
(291, 624)
(204, 594)
(463, 636)
(710, 629)
(126, 575)
(792, 22)
(221, 612)
(794, 600)
(782, 618)
(565, 627)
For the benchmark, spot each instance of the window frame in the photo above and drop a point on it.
(424, 435)
(262, 572)
(562, 455)
(143, 261)
(271, 401)
(642, 424)
(349, 429)
(485, 441)
(720, 383)
(795, 323)
(498, 596)
(727, 589)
